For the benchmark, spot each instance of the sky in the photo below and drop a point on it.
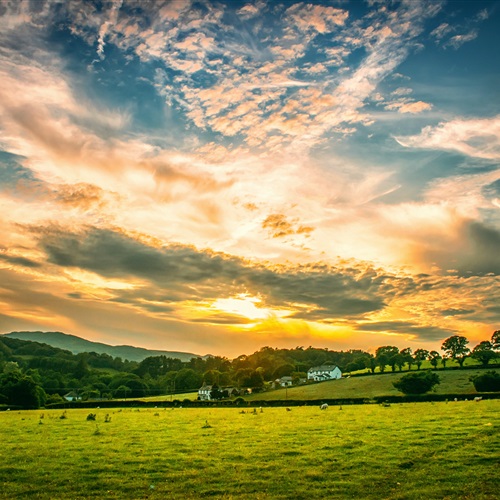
(219, 176)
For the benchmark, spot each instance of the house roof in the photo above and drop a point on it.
(323, 368)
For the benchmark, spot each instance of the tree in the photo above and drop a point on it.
(21, 390)
(216, 393)
(487, 382)
(122, 392)
(484, 352)
(283, 370)
(247, 377)
(82, 367)
(495, 339)
(417, 382)
(371, 363)
(420, 356)
(407, 356)
(434, 358)
(456, 348)
(386, 355)
(187, 378)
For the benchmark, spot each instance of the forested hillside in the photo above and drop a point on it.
(33, 374)
(77, 345)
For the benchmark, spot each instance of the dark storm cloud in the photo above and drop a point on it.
(456, 312)
(430, 333)
(19, 261)
(484, 257)
(176, 272)
(478, 255)
(492, 191)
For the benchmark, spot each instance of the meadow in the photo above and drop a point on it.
(402, 451)
(451, 382)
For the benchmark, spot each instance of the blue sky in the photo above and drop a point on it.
(219, 176)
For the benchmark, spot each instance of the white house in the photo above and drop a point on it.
(72, 396)
(285, 381)
(204, 393)
(324, 372)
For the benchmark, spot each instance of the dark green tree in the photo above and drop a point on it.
(283, 370)
(417, 382)
(495, 339)
(484, 352)
(82, 367)
(434, 358)
(407, 355)
(487, 382)
(187, 379)
(21, 390)
(386, 355)
(456, 348)
(420, 356)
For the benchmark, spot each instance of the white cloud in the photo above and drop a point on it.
(478, 137)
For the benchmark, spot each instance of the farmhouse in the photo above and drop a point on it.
(324, 372)
(204, 393)
(284, 381)
(72, 396)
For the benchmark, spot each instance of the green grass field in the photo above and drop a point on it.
(404, 451)
(370, 386)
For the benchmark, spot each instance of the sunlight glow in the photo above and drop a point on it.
(243, 305)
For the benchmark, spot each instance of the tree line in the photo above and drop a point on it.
(34, 374)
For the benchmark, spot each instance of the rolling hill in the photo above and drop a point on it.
(453, 381)
(77, 345)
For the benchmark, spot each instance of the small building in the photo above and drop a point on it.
(204, 393)
(324, 372)
(72, 396)
(284, 381)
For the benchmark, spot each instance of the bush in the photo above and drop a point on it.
(487, 382)
(417, 382)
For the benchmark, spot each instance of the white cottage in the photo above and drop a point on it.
(204, 393)
(284, 381)
(324, 372)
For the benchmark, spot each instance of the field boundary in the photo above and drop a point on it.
(241, 403)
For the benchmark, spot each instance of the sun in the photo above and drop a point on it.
(243, 305)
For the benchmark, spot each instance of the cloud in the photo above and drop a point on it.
(473, 251)
(458, 34)
(410, 107)
(479, 137)
(319, 292)
(19, 261)
(113, 17)
(306, 17)
(278, 226)
(424, 333)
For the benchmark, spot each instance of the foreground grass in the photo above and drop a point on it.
(408, 451)
(370, 386)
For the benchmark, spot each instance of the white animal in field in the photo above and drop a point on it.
(324, 406)
(477, 399)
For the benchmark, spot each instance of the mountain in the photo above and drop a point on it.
(76, 345)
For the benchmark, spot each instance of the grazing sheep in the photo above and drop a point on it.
(477, 399)
(324, 406)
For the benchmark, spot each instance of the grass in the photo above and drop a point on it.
(369, 386)
(405, 451)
